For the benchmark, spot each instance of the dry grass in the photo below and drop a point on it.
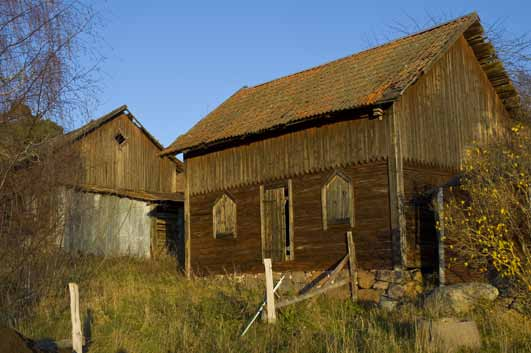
(148, 307)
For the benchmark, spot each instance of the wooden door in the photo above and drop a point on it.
(274, 224)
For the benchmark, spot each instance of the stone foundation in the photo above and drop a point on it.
(384, 287)
(388, 287)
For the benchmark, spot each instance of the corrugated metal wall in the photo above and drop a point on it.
(107, 225)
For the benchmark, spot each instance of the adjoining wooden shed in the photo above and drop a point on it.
(126, 199)
(283, 169)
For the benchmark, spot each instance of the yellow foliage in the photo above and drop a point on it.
(488, 216)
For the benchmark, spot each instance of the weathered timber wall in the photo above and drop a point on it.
(446, 110)
(107, 225)
(314, 248)
(134, 165)
(308, 151)
(420, 215)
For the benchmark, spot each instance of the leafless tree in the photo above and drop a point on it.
(43, 82)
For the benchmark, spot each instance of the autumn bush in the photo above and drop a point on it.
(487, 217)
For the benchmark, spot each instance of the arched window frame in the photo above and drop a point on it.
(228, 202)
(324, 198)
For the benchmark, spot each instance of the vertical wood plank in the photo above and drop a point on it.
(262, 221)
(270, 295)
(291, 221)
(77, 335)
(187, 230)
(353, 270)
(440, 237)
(396, 192)
(324, 206)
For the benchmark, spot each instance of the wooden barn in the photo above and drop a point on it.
(126, 198)
(285, 168)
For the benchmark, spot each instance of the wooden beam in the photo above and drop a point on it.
(396, 192)
(270, 293)
(77, 335)
(353, 270)
(440, 237)
(187, 230)
(291, 221)
(262, 220)
(335, 272)
(312, 294)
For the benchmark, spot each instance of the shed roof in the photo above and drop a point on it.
(154, 197)
(370, 78)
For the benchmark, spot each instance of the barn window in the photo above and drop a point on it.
(119, 138)
(224, 217)
(338, 201)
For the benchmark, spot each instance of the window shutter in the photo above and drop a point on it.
(338, 201)
(224, 217)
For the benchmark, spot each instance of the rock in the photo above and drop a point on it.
(416, 276)
(298, 277)
(366, 279)
(448, 335)
(390, 276)
(412, 289)
(461, 298)
(381, 285)
(369, 295)
(387, 303)
(396, 291)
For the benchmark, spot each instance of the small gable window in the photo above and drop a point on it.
(224, 217)
(120, 139)
(337, 201)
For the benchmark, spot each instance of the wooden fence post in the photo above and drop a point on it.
(352, 267)
(77, 335)
(270, 295)
(440, 237)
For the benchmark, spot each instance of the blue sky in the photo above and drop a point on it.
(172, 62)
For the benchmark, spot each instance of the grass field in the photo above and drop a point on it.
(134, 306)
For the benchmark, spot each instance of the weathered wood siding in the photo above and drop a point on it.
(308, 151)
(446, 110)
(314, 248)
(107, 225)
(134, 165)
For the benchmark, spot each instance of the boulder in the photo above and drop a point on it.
(381, 285)
(412, 289)
(390, 276)
(366, 279)
(396, 291)
(369, 295)
(461, 298)
(298, 277)
(448, 335)
(416, 276)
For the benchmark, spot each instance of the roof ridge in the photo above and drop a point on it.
(104, 117)
(394, 41)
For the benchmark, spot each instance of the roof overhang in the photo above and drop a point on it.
(147, 196)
